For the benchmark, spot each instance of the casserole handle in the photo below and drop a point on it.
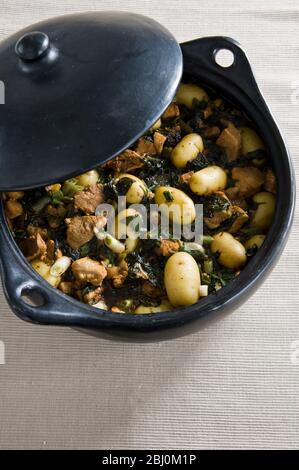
(31, 297)
(201, 55)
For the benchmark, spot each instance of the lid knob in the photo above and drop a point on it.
(32, 46)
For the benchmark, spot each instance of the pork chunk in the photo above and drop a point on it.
(34, 247)
(125, 162)
(167, 247)
(240, 218)
(216, 218)
(88, 200)
(248, 180)
(185, 177)
(151, 291)
(86, 270)
(118, 274)
(13, 209)
(80, 230)
(159, 141)
(270, 181)
(15, 195)
(93, 296)
(145, 146)
(230, 141)
(210, 132)
(171, 112)
(33, 230)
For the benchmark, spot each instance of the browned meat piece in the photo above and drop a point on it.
(211, 132)
(218, 103)
(15, 195)
(230, 140)
(185, 177)
(270, 181)
(145, 146)
(66, 287)
(86, 270)
(151, 291)
(218, 216)
(32, 230)
(234, 197)
(241, 218)
(88, 200)
(56, 214)
(118, 274)
(13, 209)
(248, 180)
(159, 141)
(116, 309)
(112, 271)
(167, 247)
(50, 250)
(217, 219)
(58, 253)
(125, 162)
(93, 296)
(80, 230)
(171, 112)
(58, 211)
(34, 247)
(207, 112)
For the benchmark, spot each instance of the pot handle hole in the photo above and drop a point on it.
(221, 57)
(29, 296)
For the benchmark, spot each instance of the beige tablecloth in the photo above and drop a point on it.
(232, 385)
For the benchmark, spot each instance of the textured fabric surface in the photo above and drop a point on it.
(232, 385)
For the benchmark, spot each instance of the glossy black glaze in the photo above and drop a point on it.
(32, 46)
(80, 89)
(238, 84)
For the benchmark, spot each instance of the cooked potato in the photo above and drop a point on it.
(208, 180)
(88, 178)
(188, 92)
(180, 207)
(250, 143)
(256, 240)
(264, 214)
(156, 125)
(232, 253)
(137, 190)
(186, 150)
(164, 306)
(182, 279)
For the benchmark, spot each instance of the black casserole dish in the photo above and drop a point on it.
(236, 83)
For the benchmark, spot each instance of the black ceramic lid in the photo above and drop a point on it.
(79, 89)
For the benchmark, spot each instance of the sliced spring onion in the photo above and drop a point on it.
(190, 246)
(60, 266)
(112, 243)
(41, 204)
(70, 187)
(100, 304)
(207, 239)
(208, 266)
(203, 291)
